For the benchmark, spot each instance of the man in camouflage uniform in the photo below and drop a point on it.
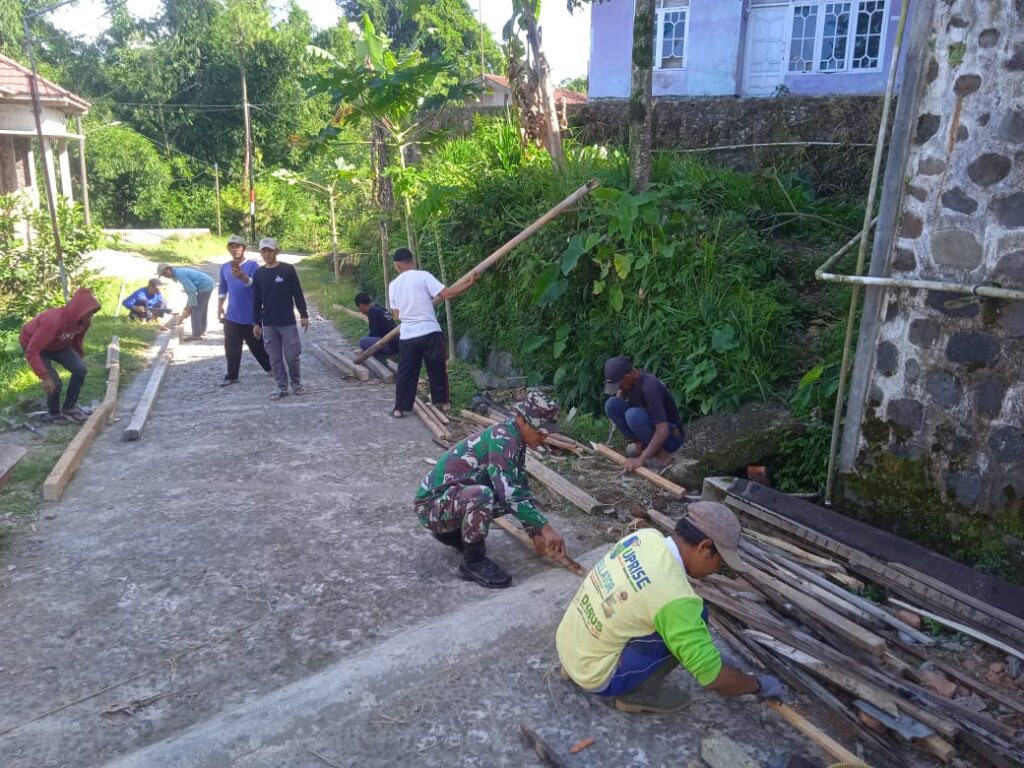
(484, 477)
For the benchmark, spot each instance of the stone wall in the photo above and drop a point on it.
(702, 123)
(947, 390)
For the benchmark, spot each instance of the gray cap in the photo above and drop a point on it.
(236, 240)
(718, 523)
(156, 282)
(615, 370)
(162, 267)
(269, 242)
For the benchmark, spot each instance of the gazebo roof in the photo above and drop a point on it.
(15, 86)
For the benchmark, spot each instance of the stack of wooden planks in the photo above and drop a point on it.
(794, 614)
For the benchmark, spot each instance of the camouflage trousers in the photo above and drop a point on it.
(465, 508)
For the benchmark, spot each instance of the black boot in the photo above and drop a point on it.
(485, 572)
(451, 539)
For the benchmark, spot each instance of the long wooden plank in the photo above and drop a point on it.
(652, 477)
(558, 485)
(885, 546)
(10, 455)
(468, 279)
(156, 376)
(971, 632)
(815, 734)
(71, 459)
(862, 563)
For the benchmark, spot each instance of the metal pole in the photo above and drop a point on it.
(883, 130)
(82, 172)
(48, 182)
(216, 186)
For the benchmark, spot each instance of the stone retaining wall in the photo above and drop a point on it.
(947, 386)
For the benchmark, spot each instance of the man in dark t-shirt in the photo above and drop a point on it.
(276, 294)
(643, 410)
(381, 324)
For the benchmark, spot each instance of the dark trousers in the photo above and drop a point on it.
(234, 335)
(200, 312)
(412, 353)
(635, 424)
(70, 361)
(368, 341)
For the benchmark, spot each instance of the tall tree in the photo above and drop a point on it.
(447, 29)
(641, 101)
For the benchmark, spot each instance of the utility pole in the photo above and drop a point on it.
(216, 186)
(37, 111)
(82, 172)
(247, 170)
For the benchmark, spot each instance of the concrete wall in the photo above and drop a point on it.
(946, 387)
(714, 57)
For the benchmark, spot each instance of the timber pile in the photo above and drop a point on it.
(792, 614)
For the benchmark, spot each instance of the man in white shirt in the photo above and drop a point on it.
(413, 294)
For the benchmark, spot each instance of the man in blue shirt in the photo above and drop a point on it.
(147, 302)
(198, 287)
(236, 289)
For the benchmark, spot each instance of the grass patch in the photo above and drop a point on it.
(20, 392)
(186, 251)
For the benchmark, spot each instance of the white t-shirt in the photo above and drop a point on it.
(412, 294)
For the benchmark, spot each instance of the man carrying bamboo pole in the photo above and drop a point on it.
(482, 477)
(413, 294)
(636, 617)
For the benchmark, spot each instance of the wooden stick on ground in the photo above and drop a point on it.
(67, 465)
(970, 632)
(653, 477)
(815, 734)
(341, 365)
(350, 312)
(468, 279)
(437, 413)
(113, 377)
(557, 484)
(435, 427)
(520, 535)
(377, 368)
(156, 376)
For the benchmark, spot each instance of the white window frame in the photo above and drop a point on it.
(819, 38)
(663, 7)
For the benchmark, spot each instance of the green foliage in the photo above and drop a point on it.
(129, 181)
(29, 274)
(682, 277)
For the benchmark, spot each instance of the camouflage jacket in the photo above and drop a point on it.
(496, 458)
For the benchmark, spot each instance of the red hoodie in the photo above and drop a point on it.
(57, 329)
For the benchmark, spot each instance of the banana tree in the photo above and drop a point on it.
(530, 79)
(395, 91)
(328, 184)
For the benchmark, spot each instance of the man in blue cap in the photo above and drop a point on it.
(644, 411)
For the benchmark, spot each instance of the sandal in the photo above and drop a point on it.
(397, 414)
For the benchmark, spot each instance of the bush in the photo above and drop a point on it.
(685, 278)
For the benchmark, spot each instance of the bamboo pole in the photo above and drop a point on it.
(467, 280)
(522, 537)
(350, 312)
(653, 477)
(433, 425)
(438, 414)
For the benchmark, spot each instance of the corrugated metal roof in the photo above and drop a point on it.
(15, 85)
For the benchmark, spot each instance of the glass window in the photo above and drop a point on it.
(829, 36)
(670, 34)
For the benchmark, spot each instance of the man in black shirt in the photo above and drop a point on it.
(645, 412)
(276, 294)
(381, 324)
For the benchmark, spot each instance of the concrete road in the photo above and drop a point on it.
(247, 586)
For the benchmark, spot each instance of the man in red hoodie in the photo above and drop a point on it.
(56, 336)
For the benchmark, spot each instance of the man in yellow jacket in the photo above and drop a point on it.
(636, 617)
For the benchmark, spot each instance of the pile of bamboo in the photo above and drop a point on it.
(793, 614)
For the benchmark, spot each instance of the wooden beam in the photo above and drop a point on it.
(376, 367)
(832, 747)
(71, 459)
(969, 631)
(467, 280)
(156, 376)
(437, 413)
(10, 455)
(435, 427)
(340, 365)
(523, 538)
(652, 477)
(558, 485)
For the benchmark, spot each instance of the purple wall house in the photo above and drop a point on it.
(748, 47)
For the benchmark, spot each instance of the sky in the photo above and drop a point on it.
(567, 36)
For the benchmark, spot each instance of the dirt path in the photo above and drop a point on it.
(247, 583)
